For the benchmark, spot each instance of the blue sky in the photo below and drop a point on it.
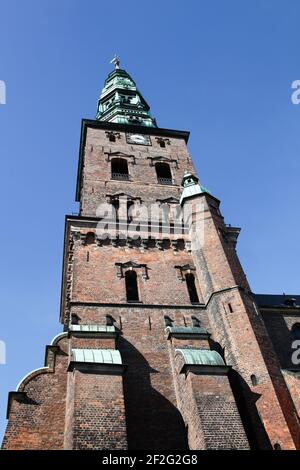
(222, 70)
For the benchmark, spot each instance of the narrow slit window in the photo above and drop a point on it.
(115, 211)
(254, 380)
(191, 286)
(130, 207)
(132, 293)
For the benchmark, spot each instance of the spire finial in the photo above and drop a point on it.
(116, 61)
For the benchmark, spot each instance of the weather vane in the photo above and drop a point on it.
(116, 61)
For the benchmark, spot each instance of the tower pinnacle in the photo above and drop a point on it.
(116, 61)
(120, 100)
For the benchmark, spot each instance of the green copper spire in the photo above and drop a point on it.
(121, 101)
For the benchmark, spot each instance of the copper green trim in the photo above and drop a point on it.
(96, 356)
(97, 331)
(201, 357)
(93, 328)
(187, 332)
(191, 187)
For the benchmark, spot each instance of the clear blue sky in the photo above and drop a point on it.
(222, 70)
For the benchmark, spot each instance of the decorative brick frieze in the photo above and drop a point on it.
(121, 239)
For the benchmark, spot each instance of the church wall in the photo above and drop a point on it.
(38, 422)
(95, 275)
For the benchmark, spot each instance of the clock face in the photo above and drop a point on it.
(138, 139)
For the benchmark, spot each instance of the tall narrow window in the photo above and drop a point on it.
(163, 172)
(116, 205)
(130, 206)
(132, 292)
(190, 282)
(119, 169)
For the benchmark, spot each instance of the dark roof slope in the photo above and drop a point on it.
(284, 300)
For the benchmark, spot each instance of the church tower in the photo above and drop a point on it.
(163, 345)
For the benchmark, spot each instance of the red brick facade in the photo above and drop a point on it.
(153, 399)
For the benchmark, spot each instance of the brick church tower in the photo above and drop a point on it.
(164, 345)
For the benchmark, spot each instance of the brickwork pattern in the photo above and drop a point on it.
(154, 405)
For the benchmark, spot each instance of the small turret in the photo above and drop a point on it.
(191, 187)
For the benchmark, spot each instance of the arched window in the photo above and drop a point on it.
(163, 172)
(132, 293)
(296, 331)
(190, 282)
(119, 169)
